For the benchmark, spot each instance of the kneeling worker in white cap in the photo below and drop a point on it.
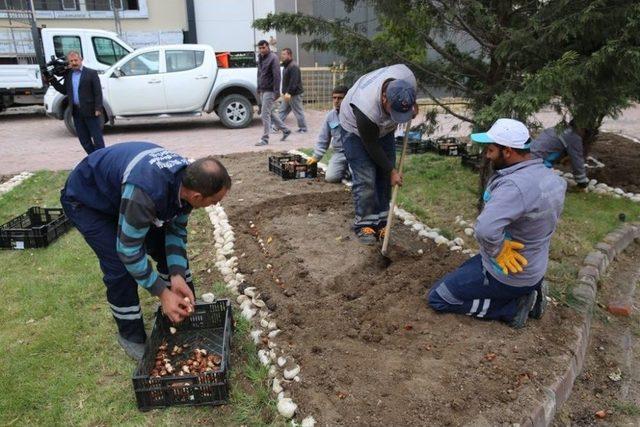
(523, 201)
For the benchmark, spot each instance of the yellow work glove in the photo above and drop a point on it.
(311, 161)
(509, 260)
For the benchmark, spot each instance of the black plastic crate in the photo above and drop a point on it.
(447, 146)
(210, 327)
(292, 166)
(413, 146)
(36, 228)
(471, 161)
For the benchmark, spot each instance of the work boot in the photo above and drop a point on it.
(541, 301)
(524, 305)
(301, 130)
(261, 143)
(285, 134)
(366, 236)
(134, 350)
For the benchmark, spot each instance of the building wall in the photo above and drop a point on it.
(163, 21)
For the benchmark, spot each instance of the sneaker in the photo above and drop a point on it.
(285, 134)
(524, 305)
(261, 143)
(301, 131)
(541, 301)
(134, 350)
(367, 236)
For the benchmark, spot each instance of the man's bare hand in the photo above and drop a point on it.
(98, 113)
(173, 306)
(396, 178)
(180, 287)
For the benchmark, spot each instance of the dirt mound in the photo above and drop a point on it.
(371, 351)
(621, 157)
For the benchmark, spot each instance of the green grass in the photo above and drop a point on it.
(60, 361)
(626, 408)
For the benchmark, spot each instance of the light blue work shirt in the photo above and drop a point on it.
(75, 83)
(522, 202)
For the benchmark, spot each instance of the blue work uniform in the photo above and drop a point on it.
(522, 203)
(331, 134)
(551, 146)
(125, 201)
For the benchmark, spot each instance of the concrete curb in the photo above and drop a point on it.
(593, 267)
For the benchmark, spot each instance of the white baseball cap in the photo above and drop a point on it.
(505, 132)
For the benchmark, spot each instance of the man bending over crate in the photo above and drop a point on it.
(131, 200)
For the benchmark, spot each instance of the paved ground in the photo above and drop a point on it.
(30, 141)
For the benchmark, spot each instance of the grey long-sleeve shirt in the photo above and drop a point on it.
(331, 133)
(551, 146)
(522, 202)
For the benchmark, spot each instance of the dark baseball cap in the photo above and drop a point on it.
(402, 97)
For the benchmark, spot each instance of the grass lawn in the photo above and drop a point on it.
(437, 189)
(61, 364)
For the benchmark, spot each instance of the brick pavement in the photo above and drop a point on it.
(30, 141)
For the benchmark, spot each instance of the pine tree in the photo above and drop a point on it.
(507, 58)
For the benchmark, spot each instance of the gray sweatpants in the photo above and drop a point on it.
(337, 168)
(268, 114)
(295, 105)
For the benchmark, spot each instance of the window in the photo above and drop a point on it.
(141, 65)
(65, 44)
(117, 4)
(183, 60)
(55, 5)
(108, 51)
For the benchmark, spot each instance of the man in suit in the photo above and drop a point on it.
(82, 86)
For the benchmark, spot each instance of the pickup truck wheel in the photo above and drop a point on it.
(68, 121)
(235, 111)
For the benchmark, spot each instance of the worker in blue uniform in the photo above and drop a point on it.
(133, 200)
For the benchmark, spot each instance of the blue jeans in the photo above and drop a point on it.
(471, 290)
(89, 130)
(371, 184)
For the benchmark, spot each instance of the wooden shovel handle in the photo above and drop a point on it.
(394, 194)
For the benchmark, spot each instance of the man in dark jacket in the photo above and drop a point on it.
(133, 200)
(82, 86)
(269, 91)
(292, 90)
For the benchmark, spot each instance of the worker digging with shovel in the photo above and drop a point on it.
(369, 115)
(523, 201)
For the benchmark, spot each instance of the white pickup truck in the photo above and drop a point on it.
(22, 84)
(169, 81)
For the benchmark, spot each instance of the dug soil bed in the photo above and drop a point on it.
(607, 391)
(371, 351)
(621, 157)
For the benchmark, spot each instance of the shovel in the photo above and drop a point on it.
(387, 235)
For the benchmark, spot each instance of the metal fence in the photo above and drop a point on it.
(318, 84)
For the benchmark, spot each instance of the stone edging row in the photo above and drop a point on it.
(255, 310)
(593, 267)
(16, 180)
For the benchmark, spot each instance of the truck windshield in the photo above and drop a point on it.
(65, 44)
(108, 51)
